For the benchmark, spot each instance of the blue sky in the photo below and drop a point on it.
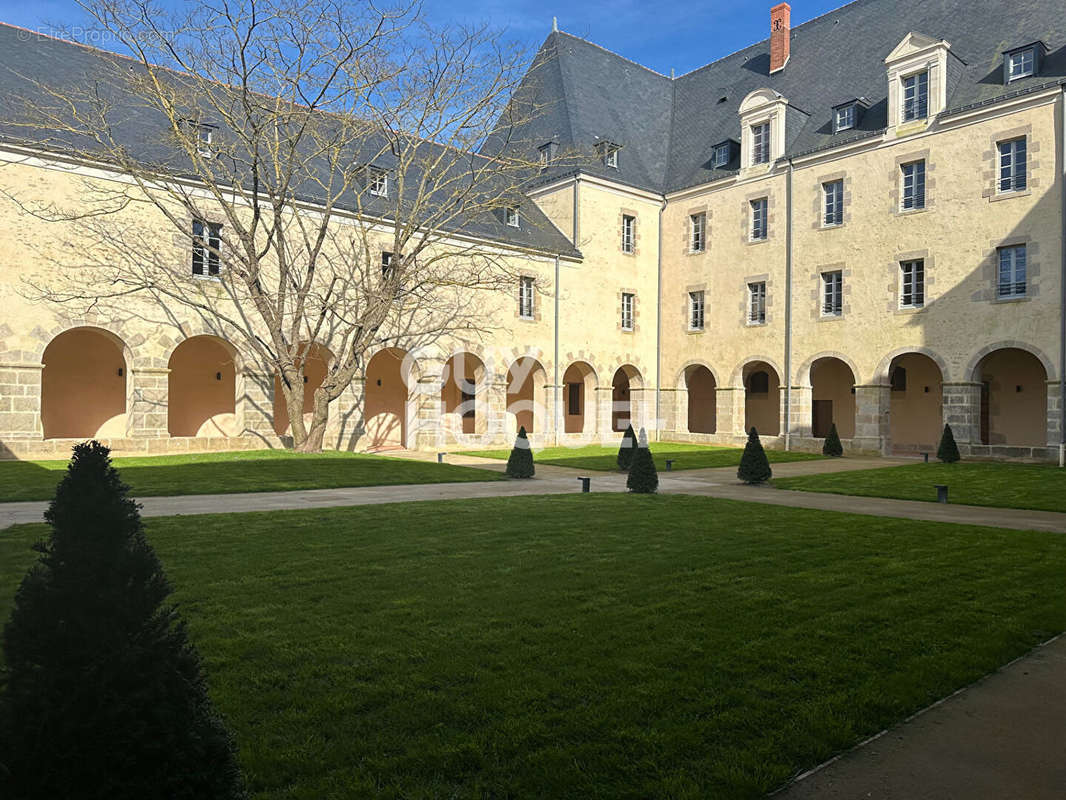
(682, 36)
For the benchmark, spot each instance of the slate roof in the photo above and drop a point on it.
(26, 57)
(668, 127)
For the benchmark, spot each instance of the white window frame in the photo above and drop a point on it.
(833, 293)
(757, 303)
(526, 295)
(1012, 260)
(610, 155)
(629, 233)
(1026, 64)
(546, 154)
(912, 196)
(722, 155)
(759, 230)
(697, 232)
(378, 182)
(912, 283)
(696, 309)
(1013, 155)
(915, 106)
(833, 203)
(511, 217)
(628, 306)
(847, 114)
(207, 252)
(760, 142)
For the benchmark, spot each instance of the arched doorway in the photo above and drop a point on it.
(462, 394)
(385, 397)
(702, 400)
(526, 395)
(579, 398)
(915, 411)
(1013, 398)
(83, 386)
(762, 398)
(317, 363)
(626, 386)
(202, 388)
(832, 398)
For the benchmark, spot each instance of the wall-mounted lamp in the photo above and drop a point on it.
(218, 376)
(120, 371)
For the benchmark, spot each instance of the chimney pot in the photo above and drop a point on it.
(780, 35)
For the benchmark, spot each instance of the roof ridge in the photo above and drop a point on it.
(613, 53)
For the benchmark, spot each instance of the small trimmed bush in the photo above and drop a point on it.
(643, 477)
(627, 449)
(520, 462)
(832, 446)
(754, 465)
(104, 694)
(948, 452)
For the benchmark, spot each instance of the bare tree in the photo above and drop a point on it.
(301, 173)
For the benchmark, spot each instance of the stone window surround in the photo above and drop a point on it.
(686, 244)
(896, 182)
(686, 311)
(931, 57)
(990, 159)
(627, 212)
(759, 107)
(536, 306)
(185, 244)
(746, 220)
(636, 310)
(819, 201)
(895, 287)
(817, 292)
(746, 300)
(989, 268)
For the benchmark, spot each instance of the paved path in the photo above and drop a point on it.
(1003, 738)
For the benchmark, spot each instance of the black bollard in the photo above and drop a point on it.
(670, 464)
(440, 457)
(585, 483)
(941, 492)
(926, 456)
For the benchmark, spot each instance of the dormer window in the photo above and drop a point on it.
(723, 153)
(844, 118)
(921, 73)
(205, 135)
(609, 154)
(762, 126)
(378, 182)
(1023, 62)
(760, 143)
(511, 216)
(547, 154)
(916, 96)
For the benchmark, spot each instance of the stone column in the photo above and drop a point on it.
(873, 404)
(673, 410)
(20, 400)
(1054, 414)
(553, 412)
(492, 413)
(346, 425)
(799, 412)
(729, 411)
(146, 415)
(962, 411)
(424, 429)
(255, 404)
(604, 408)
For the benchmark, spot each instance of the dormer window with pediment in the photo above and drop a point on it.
(917, 79)
(762, 124)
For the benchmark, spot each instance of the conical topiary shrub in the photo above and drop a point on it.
(948, 452)
(832, 446)
(754, 465)
(627, 449)
(104, 694)
(520, 462)
(643, 477)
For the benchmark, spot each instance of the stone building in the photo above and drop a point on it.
(858, 220)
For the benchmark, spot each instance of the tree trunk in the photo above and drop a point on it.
(316, 434)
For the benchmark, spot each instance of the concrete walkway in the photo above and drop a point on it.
(1003, 738)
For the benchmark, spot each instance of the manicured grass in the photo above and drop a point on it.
(583, 646)
(1037, 486)
(688, 456)
(243, 471)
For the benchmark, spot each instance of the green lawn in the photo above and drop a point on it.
(242, 471)
(1038, 486)
(583, 646)
(688, 456)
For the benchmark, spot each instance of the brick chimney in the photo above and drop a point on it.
(780, 33)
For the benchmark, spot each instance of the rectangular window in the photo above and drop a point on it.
(525, 298)
(573, 399)
(629, 233)
(379, 182)
(845, 118)
(610, 155)
(912, 288)
(757, 303)
(834, 202)
(758, 219)
(721, 155)
(386, 263)
(546, 154)
(1012, 271)
(627, 310)
(1012, 165)
(913, 195)
(832, 293)
(916, 97)
(760, 143)
(697, 223)
(206, 246)
(1022, 64)
(511, 215)
(695, 311)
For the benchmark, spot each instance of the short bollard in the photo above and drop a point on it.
(585, 483)
(669, 465)
(440, 457)
(926, 457)
(941, 492)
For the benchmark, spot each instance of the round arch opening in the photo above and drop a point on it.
(579, 398)
(462, 394)
(916, 403)
(762, 398)
(316, 365)
(832, 398)
(83, 386)
(526, 395)
(702, 400)
(385, 398)
(626, 385)
(202, 388)
(1013, 398)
